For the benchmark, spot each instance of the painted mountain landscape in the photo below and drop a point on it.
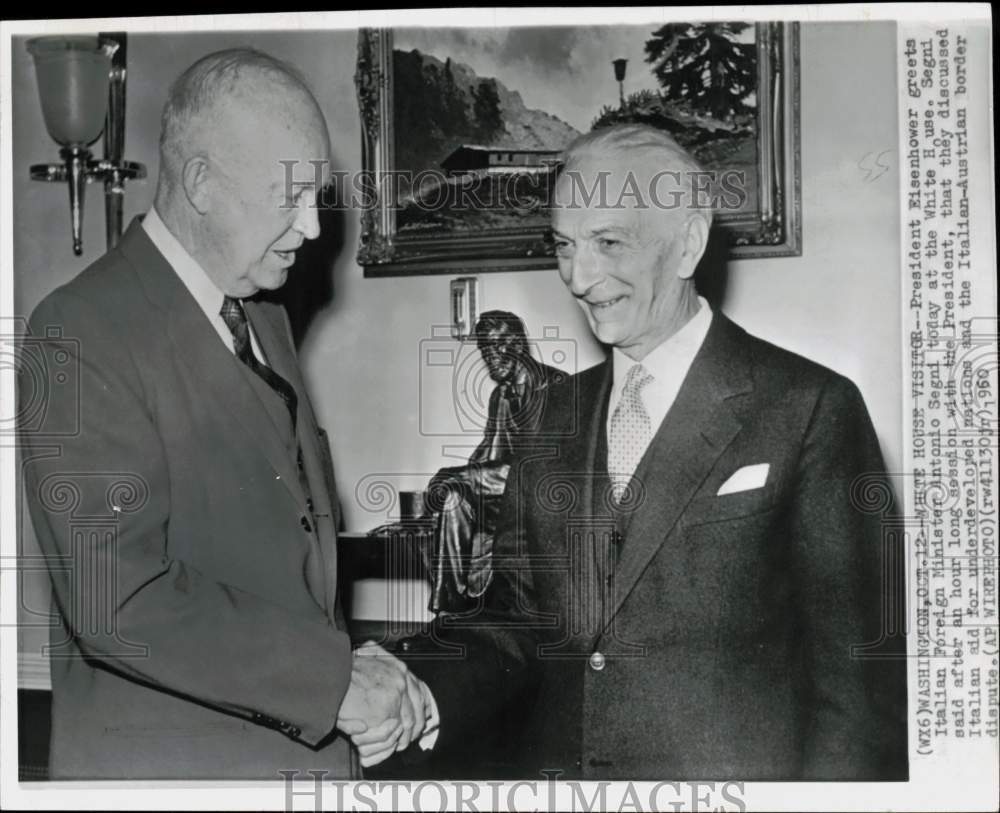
(462, 127)
(481, 116)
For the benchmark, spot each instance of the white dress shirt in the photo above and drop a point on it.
(198, 283)
(668, 363)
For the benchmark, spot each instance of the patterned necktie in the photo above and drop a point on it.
(630, 431)
(233, 315)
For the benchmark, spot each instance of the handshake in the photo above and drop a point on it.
(386, 706)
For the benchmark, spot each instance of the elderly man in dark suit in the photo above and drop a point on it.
(201, 635)
(682, 580)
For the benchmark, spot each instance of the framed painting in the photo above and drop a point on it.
(463, 129)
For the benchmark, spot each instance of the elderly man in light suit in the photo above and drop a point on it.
(201, 634)
(682, 580)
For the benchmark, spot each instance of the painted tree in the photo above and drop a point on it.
(488, 118)
(643, 107)
(453, 100)
(704, 67)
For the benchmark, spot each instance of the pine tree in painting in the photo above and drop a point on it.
(704, 66)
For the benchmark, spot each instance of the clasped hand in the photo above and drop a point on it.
(386, 706)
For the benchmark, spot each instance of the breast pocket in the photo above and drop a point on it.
(713, 508)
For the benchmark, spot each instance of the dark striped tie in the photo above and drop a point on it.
(233, 315)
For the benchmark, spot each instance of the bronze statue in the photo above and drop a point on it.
(462, 502)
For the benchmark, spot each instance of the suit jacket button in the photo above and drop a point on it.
(309, 504)
(597, 661)
(305, 525)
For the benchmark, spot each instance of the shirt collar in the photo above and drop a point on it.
(204, 291)
(671, 356)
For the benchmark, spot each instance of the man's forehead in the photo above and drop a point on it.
(613, 164)
(300, 160)
(287, 117)
(625, 195)
(612, 184)
(589, 218)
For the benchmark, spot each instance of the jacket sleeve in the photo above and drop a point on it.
(849, 566)
(130, 605)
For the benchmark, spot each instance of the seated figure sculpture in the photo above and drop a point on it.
(461, 502)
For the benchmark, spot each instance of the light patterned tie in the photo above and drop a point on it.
(630, 431)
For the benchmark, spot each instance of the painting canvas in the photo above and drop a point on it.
(464, 131)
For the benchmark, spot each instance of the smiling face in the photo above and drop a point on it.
(252, 227)
(627, 261)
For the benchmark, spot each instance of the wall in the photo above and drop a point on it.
(365, 348)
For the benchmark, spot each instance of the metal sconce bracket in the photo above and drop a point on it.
(79, 168)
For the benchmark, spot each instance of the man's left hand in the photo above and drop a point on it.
(377, 744)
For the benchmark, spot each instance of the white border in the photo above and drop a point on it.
(255, 796)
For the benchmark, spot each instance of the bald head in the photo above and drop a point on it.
(210, 105)
(630, 227)
(244, 149)
(653, 171)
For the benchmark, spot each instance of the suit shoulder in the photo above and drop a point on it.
(106, 304)
(570, 387)
(105, 287)
(553, 376)
(569, 396)
(776, 367)
(590, 375)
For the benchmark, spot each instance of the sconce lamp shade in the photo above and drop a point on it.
(73, 77)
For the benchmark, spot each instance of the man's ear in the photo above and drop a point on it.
(196, 180)
(695, 242)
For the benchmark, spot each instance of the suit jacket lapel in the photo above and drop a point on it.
(598, 498)
(574, 531)
(278, 357)
(276, 342)
(206, 357)
(700, 425)
(592, 414)
(573, 469)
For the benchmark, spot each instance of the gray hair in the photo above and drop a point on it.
(214, 78)
(639, 139)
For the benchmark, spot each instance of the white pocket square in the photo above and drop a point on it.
(745, 479)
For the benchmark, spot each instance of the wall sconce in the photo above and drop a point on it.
(81, 85)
